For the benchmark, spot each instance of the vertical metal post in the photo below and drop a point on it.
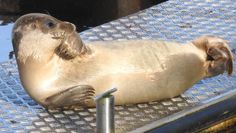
(105, 112)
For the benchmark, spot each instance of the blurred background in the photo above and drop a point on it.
(83, 13)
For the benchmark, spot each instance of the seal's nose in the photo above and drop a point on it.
(67, 26)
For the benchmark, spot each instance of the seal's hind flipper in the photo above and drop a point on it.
(219, 56)
(221, 59)
(79, 95)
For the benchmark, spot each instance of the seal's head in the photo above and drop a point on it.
(40, 36)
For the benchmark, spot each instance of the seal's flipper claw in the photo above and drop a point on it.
(74, 96)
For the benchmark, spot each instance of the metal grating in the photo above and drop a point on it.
(175, 20)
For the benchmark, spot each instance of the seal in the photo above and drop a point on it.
(58, 70)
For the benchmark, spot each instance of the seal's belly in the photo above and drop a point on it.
(149, 73)
(149, 86)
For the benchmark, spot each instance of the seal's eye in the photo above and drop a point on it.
(50, 24)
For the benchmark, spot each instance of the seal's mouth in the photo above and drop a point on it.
(58, 35)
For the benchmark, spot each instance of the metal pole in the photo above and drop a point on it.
(105, 112)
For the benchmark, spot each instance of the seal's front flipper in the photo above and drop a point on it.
(219, 56)
(72, 46)
(74, 96)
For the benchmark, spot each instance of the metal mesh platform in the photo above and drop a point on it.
(174, 20)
